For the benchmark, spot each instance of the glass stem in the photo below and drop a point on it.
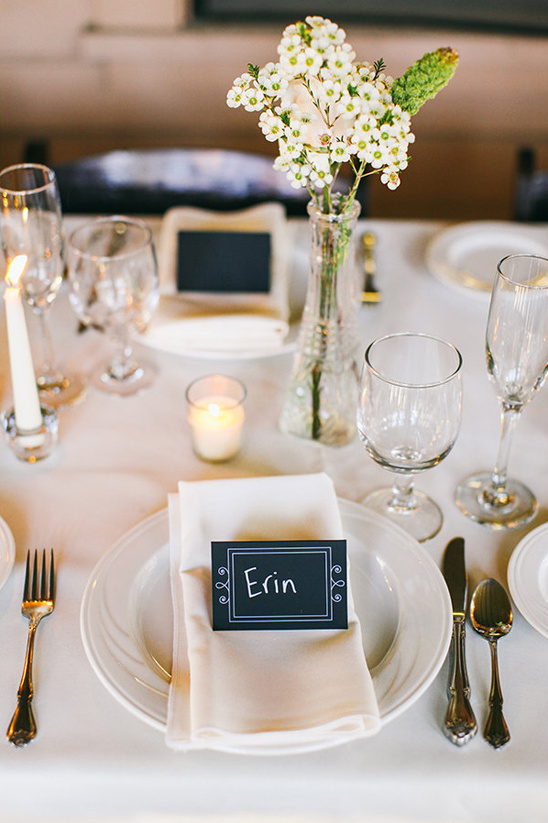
(122, 365)
(50, 372)
(403, 498)
(496, 494)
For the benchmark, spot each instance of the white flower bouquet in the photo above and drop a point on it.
(324, 109)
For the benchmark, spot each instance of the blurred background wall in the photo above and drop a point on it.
(95, 75)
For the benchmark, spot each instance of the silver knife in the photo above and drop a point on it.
(460, 723)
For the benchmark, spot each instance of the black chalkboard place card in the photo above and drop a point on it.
(299, 584)
(223, 261)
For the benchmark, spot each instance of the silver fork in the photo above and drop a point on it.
(38, 602)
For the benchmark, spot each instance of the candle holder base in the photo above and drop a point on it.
(34, 445)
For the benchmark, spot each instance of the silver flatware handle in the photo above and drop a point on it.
(22, 728)
(460, 723)
(370, 292)
(496, 731)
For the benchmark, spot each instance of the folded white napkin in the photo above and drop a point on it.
(263, 691)
(217, 333)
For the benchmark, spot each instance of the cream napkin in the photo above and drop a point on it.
(264, 691)
(238, 332)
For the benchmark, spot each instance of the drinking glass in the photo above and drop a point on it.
(114, 288)
(409, 413)
(517, 364)
(31, 224)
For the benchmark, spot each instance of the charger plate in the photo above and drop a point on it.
(399, 595)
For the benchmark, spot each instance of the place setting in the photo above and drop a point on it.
(128, 620)
(224, 284)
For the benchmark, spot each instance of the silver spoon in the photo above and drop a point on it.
(491, 616)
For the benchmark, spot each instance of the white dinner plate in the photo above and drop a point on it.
(399, 593)
(466, 255)
(7, 551)
(528, 578)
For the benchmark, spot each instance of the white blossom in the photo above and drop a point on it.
(253, 99)
(340, 151)
(323, 109)
(271, 126)
(297, 174)
(391, 178)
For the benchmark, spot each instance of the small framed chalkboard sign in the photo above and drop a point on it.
(205, 254)
(300, 584)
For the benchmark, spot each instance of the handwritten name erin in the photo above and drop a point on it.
(271, 584)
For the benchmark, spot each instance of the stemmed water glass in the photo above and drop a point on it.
(31, 224)
(517, 364)
(409, 413)
(114, 288)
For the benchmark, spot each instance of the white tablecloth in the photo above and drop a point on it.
(116, 462)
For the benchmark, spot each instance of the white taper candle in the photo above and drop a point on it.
(28, 416)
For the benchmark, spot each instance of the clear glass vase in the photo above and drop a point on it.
(323, 390)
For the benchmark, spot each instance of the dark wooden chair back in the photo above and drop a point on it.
(531, 194)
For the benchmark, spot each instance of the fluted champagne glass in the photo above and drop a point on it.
(517, 364)
(409, 414)
(31, 223)
(114, 288)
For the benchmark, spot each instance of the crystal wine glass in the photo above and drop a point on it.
(31, 224)
(114, 288)
(409, 413)
(517, 364)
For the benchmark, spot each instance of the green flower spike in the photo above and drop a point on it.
(424, 79)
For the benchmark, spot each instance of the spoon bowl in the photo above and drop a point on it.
(491, 616)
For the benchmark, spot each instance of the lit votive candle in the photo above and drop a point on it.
(216, 416)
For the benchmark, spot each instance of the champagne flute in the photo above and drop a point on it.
(517, 364)
(114, 288)
(31, 224)
(409, 413)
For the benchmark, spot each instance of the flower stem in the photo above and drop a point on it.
(316, 420)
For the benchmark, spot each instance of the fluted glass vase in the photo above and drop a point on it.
(323, 390)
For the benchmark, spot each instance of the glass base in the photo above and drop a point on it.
(520, 509)
(34, 445)
(423, 520)
(61, 391)
(137, 379)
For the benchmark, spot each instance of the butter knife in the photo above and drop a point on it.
(460, 723)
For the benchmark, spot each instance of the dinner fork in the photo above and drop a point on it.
(38, 602)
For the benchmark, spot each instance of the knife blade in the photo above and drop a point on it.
(460, 723)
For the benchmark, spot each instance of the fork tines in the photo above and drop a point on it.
(47, 581)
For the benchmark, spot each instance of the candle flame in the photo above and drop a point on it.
(214, 409)
(15, 269)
